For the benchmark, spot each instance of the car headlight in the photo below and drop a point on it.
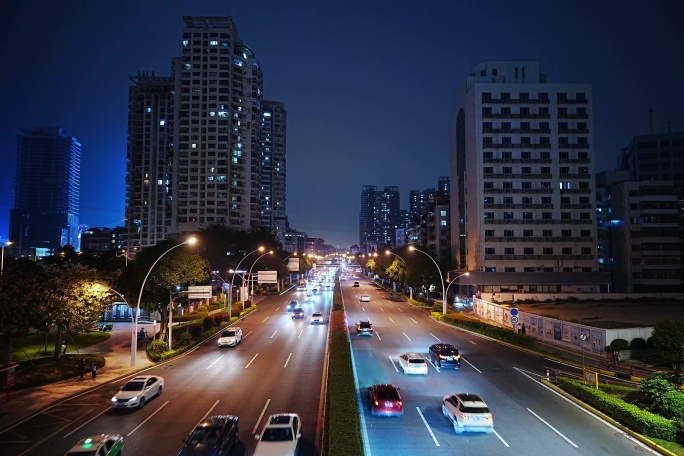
(114, 399)
(133, 399)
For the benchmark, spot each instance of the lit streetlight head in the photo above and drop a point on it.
(411, 247)
(387, 252)
(466, 274)
(192, 240)
(261, 249)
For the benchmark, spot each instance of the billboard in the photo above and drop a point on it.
(267, 277)
(199, 292)
(293, 264)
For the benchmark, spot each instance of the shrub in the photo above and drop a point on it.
(218, 318)
(671, 405)
(196, 331)
(619, 344)
(186, 338)
(208, 323)
(637, 344)
(202, 308)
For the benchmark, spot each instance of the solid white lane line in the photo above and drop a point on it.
(501, 438)
(288, 360)
(393, 365)
(438, 339)
(276, 331)
(391, 319)
(99, 414)
(413, 320)
(260, 417)
(427, 426)
(552, 428)
(251, 361)
(378, 334)
(214, 362)
(264, 319)
(247, 334)
(433, 365)
(462, 358)
(300, 334)
(406, 335)
(147, 419)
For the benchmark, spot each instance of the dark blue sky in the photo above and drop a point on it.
(369, 85)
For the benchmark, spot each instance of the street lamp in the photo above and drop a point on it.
(237, 268)
(224, 282)
(455, 278)
(134, 340)
(249, 277)
(441, 279)
(2, 261)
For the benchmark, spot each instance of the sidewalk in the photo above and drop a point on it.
(117, 353)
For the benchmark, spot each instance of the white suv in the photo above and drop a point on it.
(280, 435)
(231, 337)
(467, 412)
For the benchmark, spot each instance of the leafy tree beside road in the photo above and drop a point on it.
(668, 338)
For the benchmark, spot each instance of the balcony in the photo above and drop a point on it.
(517, 176)
(574, 160)
(530, 101)
(517, 160)
(516, 116)
(516, 146)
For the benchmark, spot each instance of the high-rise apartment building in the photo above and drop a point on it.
(522, 164)
(379, 218)
(150, 153)
(197, 138)
(45, 215)
(655, 157)
(274, 167)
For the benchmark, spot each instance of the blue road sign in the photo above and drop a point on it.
(514, 311)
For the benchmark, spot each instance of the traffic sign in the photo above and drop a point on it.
(514, 311)
(514, 319)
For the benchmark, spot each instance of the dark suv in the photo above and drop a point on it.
(298, 313)
(445, 355)
(364, 328)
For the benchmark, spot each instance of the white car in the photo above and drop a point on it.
(231, 337)
(138, 391)
(364, 298)
(467, 412)
(280, 436)
(413, 363)
(317, 318)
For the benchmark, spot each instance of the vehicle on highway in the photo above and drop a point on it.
(214, 435)
(231, 337)
(298, 313)
(444, 356)
(138, 391)
(385, 400)
(356, 284)
(364, 298)
(413, 363)
(364, 328)
(280, 435)
(292, 305)
(467, 412)
(98, 445)
(317, 318)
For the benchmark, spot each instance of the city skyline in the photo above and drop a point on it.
(369, 90)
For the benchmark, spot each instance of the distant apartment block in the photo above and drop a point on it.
(45, 215)
(274, 167)
(379, 218)
(522, 173)
(103, 240)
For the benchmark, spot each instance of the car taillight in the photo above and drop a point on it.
(377, 403)
(442, 357)
(399, 403)
(457, 356)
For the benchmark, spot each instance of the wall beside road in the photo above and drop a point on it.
(541, 297)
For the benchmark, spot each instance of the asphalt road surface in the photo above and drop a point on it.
(529, 418)
(277, 368)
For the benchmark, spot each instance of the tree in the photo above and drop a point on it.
(396, 271)
(19, 291)
(69, 300)
(371, 265)
(668, 338)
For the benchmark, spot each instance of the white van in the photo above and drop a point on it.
(230, 337)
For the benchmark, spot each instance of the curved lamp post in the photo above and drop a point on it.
(224, 282)
(441, 279)
(2, 261)
(134, 340)
(455, 278)
(249, 276)
(237, 268)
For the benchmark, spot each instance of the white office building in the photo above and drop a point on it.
(522, 175)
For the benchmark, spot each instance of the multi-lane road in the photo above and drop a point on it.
(277, 368)
(529, 418)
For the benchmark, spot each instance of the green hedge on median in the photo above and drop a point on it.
(630, 415)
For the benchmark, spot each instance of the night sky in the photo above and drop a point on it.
(368, 85)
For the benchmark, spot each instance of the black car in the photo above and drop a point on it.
(292, 305)
(298, 313)
(444, 355)
(214, 435)
(364, 328)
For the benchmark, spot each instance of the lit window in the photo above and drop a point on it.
(443, 213)
(148, 109)
(185, 42)
(162, 122)
(194, 146)
(187, 66)
(238, 62)
(213, 43)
